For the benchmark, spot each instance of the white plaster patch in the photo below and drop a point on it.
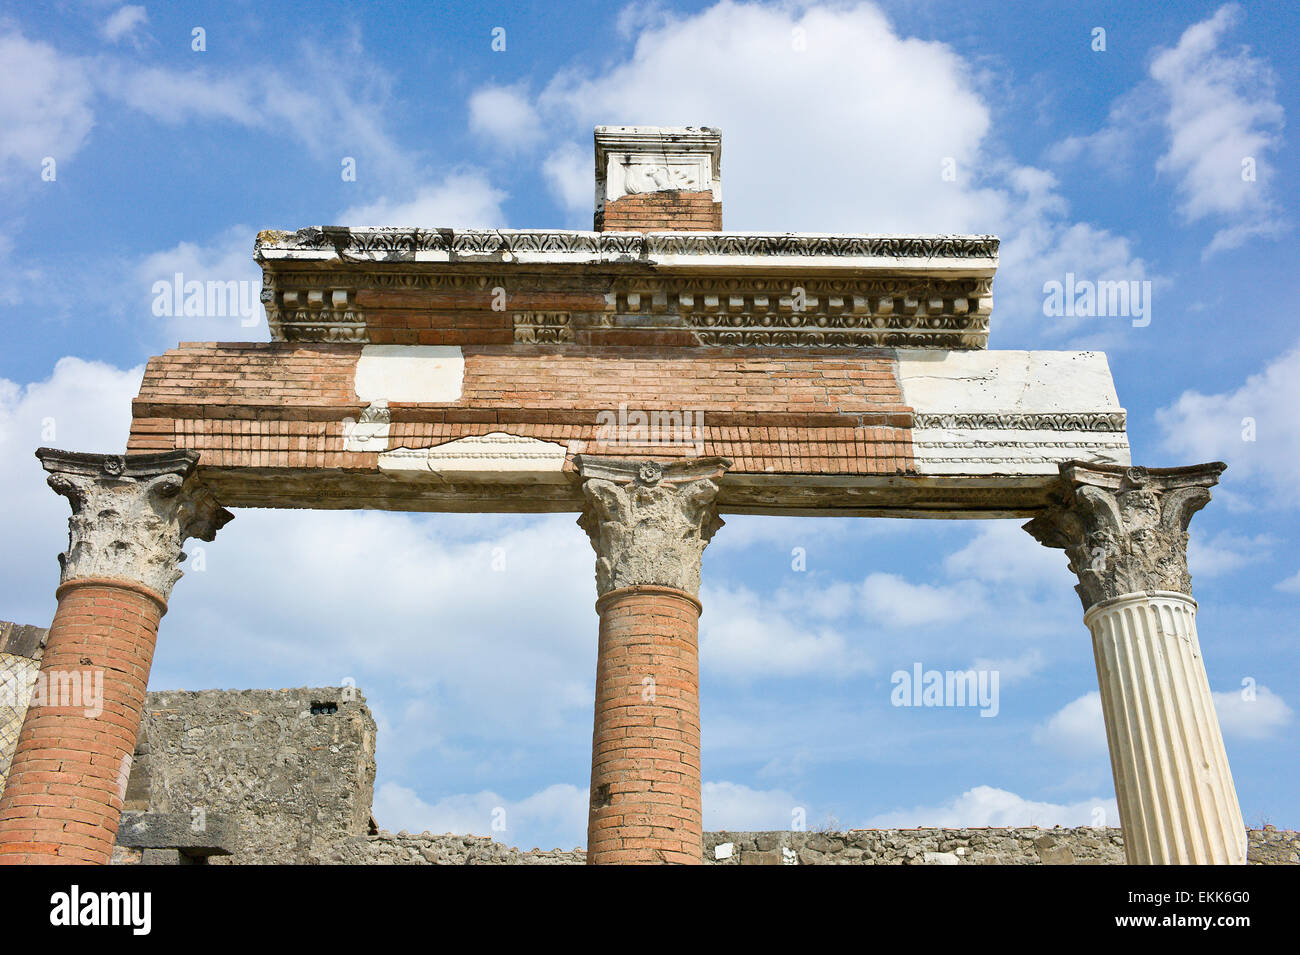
(370, 431)
(1011, 412)
(789, 856)
(496, 456)
(1036, 382)
(428, 373)
(724, 850)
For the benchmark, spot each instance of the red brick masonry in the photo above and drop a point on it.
(279, 405)
(645, 755)
(71, 764)
(662, 212)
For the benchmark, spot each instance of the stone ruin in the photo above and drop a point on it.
(227, 777)
(650, 375)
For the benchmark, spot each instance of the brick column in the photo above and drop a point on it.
(649, 525)
(130, 516)
(1125, 533)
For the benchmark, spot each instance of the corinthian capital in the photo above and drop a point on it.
(648, 522)
(1124, 530)
(131, 514)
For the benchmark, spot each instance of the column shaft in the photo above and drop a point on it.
(130, 516)
(1124, 530)
(63, 799)
(1172, 782)
(645, 763)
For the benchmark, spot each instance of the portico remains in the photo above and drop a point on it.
(434, 369)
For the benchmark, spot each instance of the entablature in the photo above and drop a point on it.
(747, 290)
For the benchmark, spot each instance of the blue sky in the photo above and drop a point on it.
(1122, 163)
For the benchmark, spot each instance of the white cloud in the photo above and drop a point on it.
(45, 106)
(123, 23)
(452, 629)
(1001, 552)
(737, 808)
(556, 817)
(1252, 428)
(987, 806)
(84, 406)
(743, 635)
(553, 818)
(1012, 669)
(228, 257)
(462, 200)
(1251, 718)
(1226, 552)
(895, 602)
(569, 175)
(1223, 109)
(781, 535)
(176, 96)
(1042, 245)
(506, 116)
(1215, 108)
(735, 66)
(1077, 728)
(1114, 146)
(1290, 585)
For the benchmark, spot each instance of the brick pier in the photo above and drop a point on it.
(130, 514)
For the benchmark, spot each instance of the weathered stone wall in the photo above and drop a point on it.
(1027, 846)
(20, 660)
(295, 769)
(428, 849)
(297, 778)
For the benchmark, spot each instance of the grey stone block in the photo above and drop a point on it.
(218, 834)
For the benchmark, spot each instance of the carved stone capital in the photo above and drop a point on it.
(1124, 529)
(131, 514)
(649, 522)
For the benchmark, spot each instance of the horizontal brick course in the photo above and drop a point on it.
(678, 210)
(279, 405)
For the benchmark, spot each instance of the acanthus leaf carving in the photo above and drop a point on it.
(649, 522)
(1124, 529)
(131, 514)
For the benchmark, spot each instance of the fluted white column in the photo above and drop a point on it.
(1125, 533)
(1172, 781)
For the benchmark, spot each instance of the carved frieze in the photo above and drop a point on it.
(543, 327)
(1012, 421)
(396, 243)
(750, 311)
(313, 313)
